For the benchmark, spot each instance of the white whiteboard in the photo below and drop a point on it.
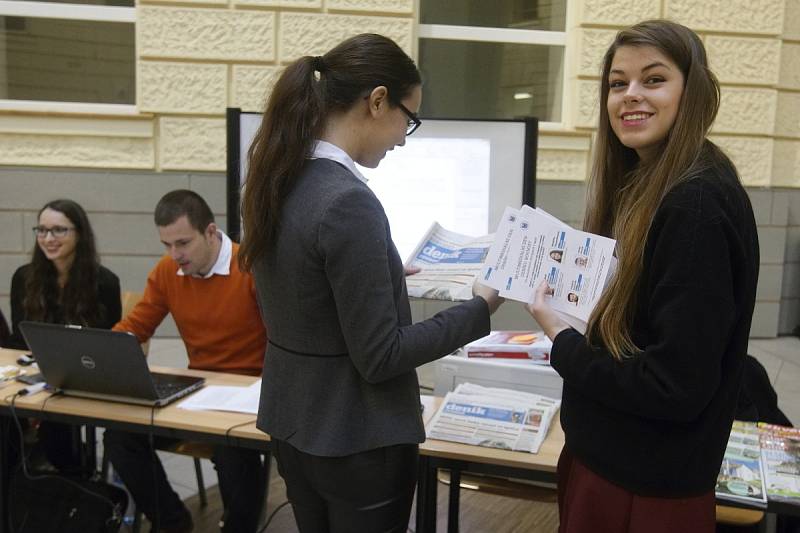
(460, 173)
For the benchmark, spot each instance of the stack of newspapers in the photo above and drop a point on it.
(529, 246)
(741, 475)
(495, 418)
(449, 263)
(762, 462)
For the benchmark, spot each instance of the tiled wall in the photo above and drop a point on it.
(120, 206)
(753, 48)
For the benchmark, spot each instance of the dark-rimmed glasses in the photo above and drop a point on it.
(413, 120)
(59, 232)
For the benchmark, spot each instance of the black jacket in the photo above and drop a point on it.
(657, 423)
(108, 296)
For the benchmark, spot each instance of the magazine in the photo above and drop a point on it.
(531, 245)
(780, 453)
(495, 418)
(741, 475)
(449, 263)
(519, 345)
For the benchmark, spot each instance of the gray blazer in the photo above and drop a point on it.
(339, 371)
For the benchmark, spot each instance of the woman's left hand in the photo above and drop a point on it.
(541, 311)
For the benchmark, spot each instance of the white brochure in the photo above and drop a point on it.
(536, 246)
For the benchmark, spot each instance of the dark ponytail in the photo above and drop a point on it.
(308, 90)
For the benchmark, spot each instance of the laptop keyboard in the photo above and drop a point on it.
(167, 389)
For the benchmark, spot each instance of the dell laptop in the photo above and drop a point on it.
(101, 364)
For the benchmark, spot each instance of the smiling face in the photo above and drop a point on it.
(645, 89)
(60, 250)
(195, 252)
(388, 128)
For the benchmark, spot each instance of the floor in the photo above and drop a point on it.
(480, 512)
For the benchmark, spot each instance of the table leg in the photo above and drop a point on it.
(454, 500)
(91, 448)
(426, 496)
(5, 477)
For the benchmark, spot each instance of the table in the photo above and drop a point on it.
(540, 467)
(458, 458)
(233, 429)
(238, 429)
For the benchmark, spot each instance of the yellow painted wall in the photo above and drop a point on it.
(194, 59)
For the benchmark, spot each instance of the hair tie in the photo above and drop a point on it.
(318, 64)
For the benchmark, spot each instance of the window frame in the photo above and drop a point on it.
(57, 10)
(506, 36)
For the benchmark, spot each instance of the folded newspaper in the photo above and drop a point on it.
(531, 245)
(780, 453)
(741, 475)
(449, 263)
(495, 418)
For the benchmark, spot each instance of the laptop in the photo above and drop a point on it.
(101, 364)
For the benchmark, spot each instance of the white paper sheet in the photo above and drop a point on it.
(224, 398)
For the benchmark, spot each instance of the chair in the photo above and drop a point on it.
(734, 516)
(542, 493)
(729, 516)
(129, 301)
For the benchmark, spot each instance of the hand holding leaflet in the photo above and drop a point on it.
(531, 245)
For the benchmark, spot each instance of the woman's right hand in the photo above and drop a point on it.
(489, 294)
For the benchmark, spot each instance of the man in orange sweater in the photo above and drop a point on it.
(214, 306)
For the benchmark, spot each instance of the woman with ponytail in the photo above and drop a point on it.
(650, 390)
(340, 397)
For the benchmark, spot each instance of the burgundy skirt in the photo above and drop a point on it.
(588, 503)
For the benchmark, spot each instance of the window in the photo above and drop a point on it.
(498, 59)
(67, 52)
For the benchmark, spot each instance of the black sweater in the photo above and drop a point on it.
(108, 297)
(657, 423)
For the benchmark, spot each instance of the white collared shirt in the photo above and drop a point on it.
(326, 150)
(222, 266)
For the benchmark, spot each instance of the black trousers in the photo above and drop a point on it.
(242, 481)
(63, 447)
(368, 492)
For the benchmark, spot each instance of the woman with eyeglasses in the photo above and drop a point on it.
(63, 284)
(340, 397)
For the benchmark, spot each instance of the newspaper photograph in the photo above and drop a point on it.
(494, 418)
(449, 262)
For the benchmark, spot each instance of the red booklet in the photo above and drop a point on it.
(526, 345)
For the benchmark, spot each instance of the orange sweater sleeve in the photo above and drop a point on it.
(148, 313)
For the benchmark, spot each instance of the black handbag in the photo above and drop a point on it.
(55, 503)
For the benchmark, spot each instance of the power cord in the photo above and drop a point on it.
(156, 525)
(272, 515)
(116, 512)
(239, 487)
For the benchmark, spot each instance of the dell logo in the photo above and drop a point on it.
(87, 362)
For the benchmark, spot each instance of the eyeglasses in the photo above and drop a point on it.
(58, 232)
(413, 120)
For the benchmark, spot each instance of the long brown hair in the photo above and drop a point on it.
(308, 91)
(78, 299)
(624, 192)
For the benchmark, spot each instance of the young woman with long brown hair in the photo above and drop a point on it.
(63, 284)
(340, 397)
(650, 390)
